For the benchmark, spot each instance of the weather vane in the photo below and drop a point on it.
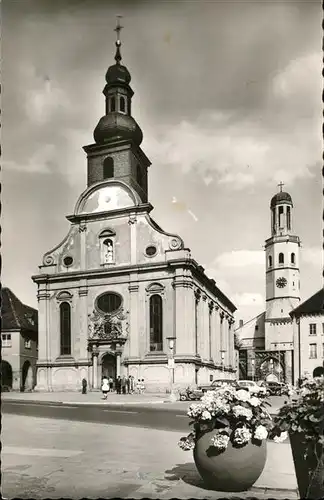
(118, 28)
(280, 185)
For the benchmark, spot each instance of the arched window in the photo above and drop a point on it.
(112, 104)
(288, 219)
(156, 323)
(270, 261)
(122, 104)
(65, 328)
(293, 258)
(108, 168)
(281, 258)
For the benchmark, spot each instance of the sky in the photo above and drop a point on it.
(228, 95)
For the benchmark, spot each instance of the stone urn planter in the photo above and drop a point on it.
(236, 468)
(309, 466)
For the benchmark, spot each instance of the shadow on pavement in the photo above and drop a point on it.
(188, 473)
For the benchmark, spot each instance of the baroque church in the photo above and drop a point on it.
(118, 289)
(267, 344)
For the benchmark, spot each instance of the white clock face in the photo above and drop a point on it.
(107, 198)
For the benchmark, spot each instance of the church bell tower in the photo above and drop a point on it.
(282, 260)
(116, 153)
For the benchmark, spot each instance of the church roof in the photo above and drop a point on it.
(313, 305)
(281, 197)
(15, 314)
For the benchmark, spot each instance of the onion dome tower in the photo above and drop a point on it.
(282, 259)
(116, 153)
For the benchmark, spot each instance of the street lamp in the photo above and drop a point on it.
(171, 341)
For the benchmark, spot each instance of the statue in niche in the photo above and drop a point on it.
(108, 252)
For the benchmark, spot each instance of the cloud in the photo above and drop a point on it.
(42, 161)
(248, 299)
(312, 255)
(240, 258)
(237, 154)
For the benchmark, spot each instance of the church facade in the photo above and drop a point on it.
(267, 341)
(118, 288)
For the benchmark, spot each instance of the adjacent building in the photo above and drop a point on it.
(119, 295)
(267, 341)
(19, 337)
(308, 329)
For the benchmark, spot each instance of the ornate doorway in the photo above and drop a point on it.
(108, 366)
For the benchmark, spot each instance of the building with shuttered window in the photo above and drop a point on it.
(118, 286)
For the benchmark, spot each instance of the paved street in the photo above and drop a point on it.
(164, 416)
(54, 458)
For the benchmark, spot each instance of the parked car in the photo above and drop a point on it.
(252, 387)
(218, 383)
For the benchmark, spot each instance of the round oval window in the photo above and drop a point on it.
(151, 250)
(68, 261)
(109, 303)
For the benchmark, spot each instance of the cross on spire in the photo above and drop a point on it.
(280, 185)
(118, 28)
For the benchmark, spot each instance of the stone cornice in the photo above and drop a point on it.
(43, 296)
(144, 208)
(119, 145)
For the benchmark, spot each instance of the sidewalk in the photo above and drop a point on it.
(47, 458)
(94, 397)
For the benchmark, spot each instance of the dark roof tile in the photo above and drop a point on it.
(313, 305)
(15, 314)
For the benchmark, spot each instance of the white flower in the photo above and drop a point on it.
(242, 395)
(240, 411)
(260, 433)
(255, 401)
(279, 439)
(195, 410)
(187, 443)
(206, 415)
(221, 406)
(242, 435)
(220, 441)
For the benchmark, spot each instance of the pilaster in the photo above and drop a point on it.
(133, 319)
(205, 321)
(184, 309)
(82, 352)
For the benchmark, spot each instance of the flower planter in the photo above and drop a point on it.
(234, 469)
(309, 470)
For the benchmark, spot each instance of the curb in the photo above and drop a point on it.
(82, 403)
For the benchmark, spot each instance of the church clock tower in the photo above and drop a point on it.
(282, 260)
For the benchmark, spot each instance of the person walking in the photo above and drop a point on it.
(84, 386)
(123, 384)
(128, 384)
(111, 383)
(105, 387)
(118, 385)
(142, 386)
(138, 386)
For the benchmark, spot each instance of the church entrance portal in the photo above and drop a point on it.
(108, 366)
